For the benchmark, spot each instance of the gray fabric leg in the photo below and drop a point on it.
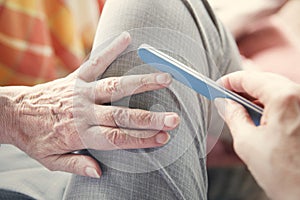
(10, 195)
(21, 174)
(180, 171)
(233, 183)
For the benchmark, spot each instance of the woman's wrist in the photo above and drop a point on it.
(8, 103)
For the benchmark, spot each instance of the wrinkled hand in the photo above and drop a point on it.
(59, 117)
(271, 150)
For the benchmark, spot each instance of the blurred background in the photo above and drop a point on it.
(267, 33)
(41, 40)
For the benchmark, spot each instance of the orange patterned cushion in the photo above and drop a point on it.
(43, 40)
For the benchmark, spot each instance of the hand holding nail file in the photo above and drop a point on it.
(193, 79)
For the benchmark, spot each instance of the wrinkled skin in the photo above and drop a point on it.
(48, 121)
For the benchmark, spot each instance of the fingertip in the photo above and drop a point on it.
(126, 36)
(162, 138)
(164, 79)
(92, 172)
(91, 167)
(87, 166)
(171, 120)
(220, 81)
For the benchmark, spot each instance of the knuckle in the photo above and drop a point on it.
(141, 141)
(73, 164)
(98, 60)
(289, 95)
(145, 118)
(112, 86)
(144, 81)
(81, 88)
(105, 117)
(116, 137)
(121, 117)
(73, 141)
(69, 114)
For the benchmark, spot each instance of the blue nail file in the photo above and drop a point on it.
(193, 79)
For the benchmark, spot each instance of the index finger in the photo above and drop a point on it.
(260, 85)
(96, 65)
(115, 88)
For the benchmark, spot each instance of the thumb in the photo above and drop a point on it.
(102, 58)
(76, 164)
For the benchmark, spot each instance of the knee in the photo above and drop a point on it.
(144, 13)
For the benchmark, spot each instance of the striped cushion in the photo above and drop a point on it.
(43, 40)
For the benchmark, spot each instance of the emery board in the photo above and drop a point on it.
(195, 80)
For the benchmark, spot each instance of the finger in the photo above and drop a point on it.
(106, 138)
(240, 124)
(96, 65)
(113, 89)
(76, 164)
(259, 85)
(235, 115)
(134, 118)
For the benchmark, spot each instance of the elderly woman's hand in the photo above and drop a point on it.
(50, 120)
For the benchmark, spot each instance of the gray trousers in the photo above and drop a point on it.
(189, 31)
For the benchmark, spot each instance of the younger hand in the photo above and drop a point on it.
(272, 150)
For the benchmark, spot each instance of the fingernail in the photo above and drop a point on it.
(163, 78)
(126, 35)
(94, 61)
(171, 120)
(162, 138)
(91, 172)
(220, 81)
(221, 104)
